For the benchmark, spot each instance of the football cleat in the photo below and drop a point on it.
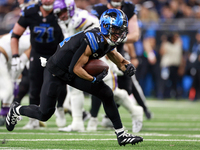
(136, 126)
(60, 117)
(106, 122)
(126, 138)
(12, 116)
(92, 124)
(32, 124)
(70, 128)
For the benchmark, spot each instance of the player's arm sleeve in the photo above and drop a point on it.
(23, 22)
(77, 55)
(92, 42)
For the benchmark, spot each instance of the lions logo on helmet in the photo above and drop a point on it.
(114, 22)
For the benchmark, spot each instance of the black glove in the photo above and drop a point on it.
(100, 76)
(130, 70)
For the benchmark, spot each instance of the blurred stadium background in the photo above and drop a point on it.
(157, 20)
(175, 122)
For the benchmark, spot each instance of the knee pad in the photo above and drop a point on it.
(47, 115)
(105, 93)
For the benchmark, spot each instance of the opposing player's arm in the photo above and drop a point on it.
(78, 67)
(3, 35)
(118, 59)
(28, 52)
(129, 47)
(18, 30)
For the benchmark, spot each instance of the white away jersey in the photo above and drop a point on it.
(82, 20)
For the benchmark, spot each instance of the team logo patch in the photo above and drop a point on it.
(44, 19)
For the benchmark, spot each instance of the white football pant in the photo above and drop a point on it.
(6, 85)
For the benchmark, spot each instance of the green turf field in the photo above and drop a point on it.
(175, 126)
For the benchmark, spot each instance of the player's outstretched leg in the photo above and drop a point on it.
(126, 138)
(12, 116)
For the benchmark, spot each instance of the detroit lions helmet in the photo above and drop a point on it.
(114, 26)
(69, 5)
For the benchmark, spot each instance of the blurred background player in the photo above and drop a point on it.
(121, 97)
(8, 74)
(73, 20)
(124, 81)
(171, 58)
(45, 36)
(193, 68)
(6, 39)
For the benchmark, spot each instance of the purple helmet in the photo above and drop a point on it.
(65, 4)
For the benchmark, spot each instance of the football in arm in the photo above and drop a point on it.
(95, 67)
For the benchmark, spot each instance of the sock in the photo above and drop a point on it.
(77, 119)
(119, 130)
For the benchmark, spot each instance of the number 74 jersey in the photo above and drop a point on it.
(45, 31)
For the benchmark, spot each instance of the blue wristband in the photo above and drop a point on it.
(94, 79)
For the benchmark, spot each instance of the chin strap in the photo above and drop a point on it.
(109, 41)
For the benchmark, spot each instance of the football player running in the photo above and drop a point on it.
(66, 67)
(73, 20)
(121, 97)
(130, 84)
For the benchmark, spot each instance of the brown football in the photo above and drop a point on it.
(95, 67)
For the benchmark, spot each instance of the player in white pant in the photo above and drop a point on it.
(122, 98)
(71, 21)
(7, 75)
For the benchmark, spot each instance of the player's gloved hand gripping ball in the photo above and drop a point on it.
(97, 68)
(100, 77)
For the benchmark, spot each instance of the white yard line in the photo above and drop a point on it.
(34, 140)
(100, 129)
(100, 134)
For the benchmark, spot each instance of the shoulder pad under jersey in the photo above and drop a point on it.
(30, 10)
(79, 19)
(94, 38)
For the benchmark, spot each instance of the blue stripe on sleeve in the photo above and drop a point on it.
(92, 41)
